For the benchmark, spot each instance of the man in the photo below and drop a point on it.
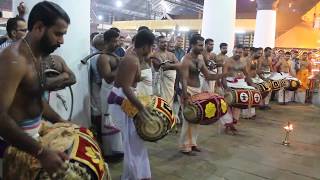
(170, 46)
(294, 62)
(136, 161)
(284, 66)
(252, 67)
(238, 79)
(166, 65)
(246, 52)
(209, 57)
(222, 57)
(16, 30)
(120, 51)
(21, 80)
(107, 66)
(264, 70)
(304, 71)
(192, 65)
(179, 52)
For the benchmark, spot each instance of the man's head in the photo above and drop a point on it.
(111, 40)
(209, 44)
(115, 29)
(16, 28)
(237, 53)
(267, 51)
(170, 46)
(179, 42)
(287, 56)
(304, 56)
(141, 28)
(246, 51)
(98, 42)
(196, 43)
(257, 53)
(92, 35)
(144, 42)
(280, 52)
(224, 48)
(295, 54)
(48, 23)
(162, 43)
(121, 41)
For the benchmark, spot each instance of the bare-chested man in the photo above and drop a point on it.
(22, 83)
(265, 70)
(192, 65)
(303, 74)
(136, 161)
(107, 66)
(209, 58)
(284, 67)
(238, 78)
(167, 63)
(222, 57)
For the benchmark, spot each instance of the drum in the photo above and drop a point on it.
(264, 88)
(290, 84)
(243, 98)
(162, 121)
(205, 108)
(85, 157)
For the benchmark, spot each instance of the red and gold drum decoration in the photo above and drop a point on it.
(243, 98)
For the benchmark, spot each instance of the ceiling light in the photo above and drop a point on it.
(100, 17)
(251, 0)
(119, 3)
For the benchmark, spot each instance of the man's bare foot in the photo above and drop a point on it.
(195, 148)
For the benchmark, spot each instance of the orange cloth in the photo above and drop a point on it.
(303, 75)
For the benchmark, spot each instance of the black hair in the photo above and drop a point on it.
(48, 13)
(267, 49)
(115, 29)
(288, 53)
(143, 38)
(160, 37)
(195, 38)
(12, 24)
(239, 46)
(141, 28)
(109, 35)
(208, 41)
(92, 35)
(223, 44)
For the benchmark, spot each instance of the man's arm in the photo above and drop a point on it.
(104, 68)
(49, 114)
(184, 71)
(206, 73)
(12, 72)
(225, 70)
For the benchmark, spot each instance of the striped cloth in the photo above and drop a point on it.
(31, 126)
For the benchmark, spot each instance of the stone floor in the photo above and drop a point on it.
(255, 154)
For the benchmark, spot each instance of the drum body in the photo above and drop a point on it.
(85, 157)
(289, 84)
(264, 88)
(243, 98)
(206, 108)
(162, 120)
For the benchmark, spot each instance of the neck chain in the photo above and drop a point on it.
(39, 70)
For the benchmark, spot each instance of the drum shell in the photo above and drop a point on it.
(243, 98)
(264, 89)
(292, 84)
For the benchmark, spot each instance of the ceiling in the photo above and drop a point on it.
(105, 11)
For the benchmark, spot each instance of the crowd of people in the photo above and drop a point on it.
(150, 66)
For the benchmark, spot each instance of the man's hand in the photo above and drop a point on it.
(52, 161)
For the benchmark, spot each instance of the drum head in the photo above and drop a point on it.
(190, 114)
(151, 129)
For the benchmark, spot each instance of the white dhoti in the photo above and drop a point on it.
(189, 132)
(300, 96)
(136, 164)
(167, 81)
(95, 100)
(283, 95)
(110, 128)
(144, 88)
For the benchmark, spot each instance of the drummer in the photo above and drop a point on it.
(238, 78)
(192, 64)
(22, 106)
(136, 161)
(265, 70)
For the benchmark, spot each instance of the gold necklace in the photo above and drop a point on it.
(40, 75)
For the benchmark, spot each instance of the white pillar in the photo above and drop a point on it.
(265, 32)
(218, 22)
(76, 46)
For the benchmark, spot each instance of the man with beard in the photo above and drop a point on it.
(222, 57)
(107, 66)
(170, 46)
(22, 83)
(136, 162)
(209, 57)
(252, 69)
(265, 70)
(167, 64)
(192, 65)
(238, 79)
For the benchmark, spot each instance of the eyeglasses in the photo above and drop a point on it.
(22, 30)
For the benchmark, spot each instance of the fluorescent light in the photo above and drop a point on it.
(100, 17)
(184, 29)
(251, 0)
(240, 31)
(165, 6)
(119, 3)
